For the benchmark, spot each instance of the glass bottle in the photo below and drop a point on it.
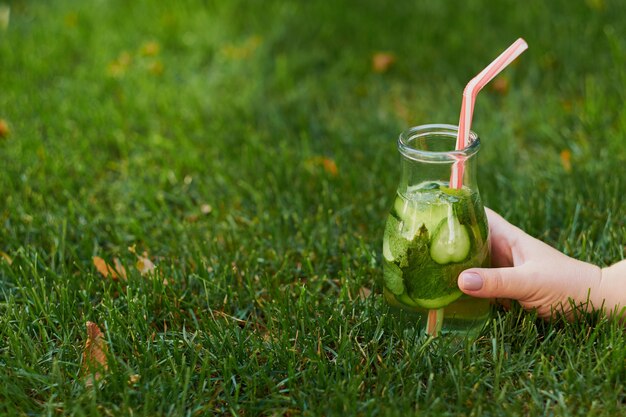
(435, 231)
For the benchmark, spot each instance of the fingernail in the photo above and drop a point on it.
(471, 281)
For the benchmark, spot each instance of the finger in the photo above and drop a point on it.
(513, 283)
(502, 230)
(499, 226)
(510, 245)
(502, 237)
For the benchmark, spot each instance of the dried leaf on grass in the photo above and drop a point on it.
(118, 67)
(133, 379)
(144, 264)
(330, 166)
(327, 164)
(501, 85)
(242, 50)
(4, 129)
(364, 293)
(114, 272)
(150, 48)
(6, 257)
(382, 61)
(566, 160)
(94, 355)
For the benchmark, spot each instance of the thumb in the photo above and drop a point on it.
(510, 283)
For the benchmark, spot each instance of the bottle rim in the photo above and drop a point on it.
(444, 130)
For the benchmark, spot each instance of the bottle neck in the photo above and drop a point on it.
(428, 154)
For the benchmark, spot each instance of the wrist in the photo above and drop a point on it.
(612, 289)
(595, 291)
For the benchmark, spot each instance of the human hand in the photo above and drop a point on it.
(535, 274)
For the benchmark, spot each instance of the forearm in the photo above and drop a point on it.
(613, 289)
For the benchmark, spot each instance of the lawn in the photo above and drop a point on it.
(207, 182)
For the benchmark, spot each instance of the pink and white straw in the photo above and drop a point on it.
(469, 99)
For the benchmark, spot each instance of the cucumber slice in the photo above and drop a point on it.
(387, 250)
(450, 242)
(415, 214)
(392, 275)
(456, 192)
(399, 301)
(438, 302)
(406, 300)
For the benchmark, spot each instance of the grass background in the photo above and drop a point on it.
(207, 133)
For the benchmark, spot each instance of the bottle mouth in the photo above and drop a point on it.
(435, 143)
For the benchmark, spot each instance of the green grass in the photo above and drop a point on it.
(113, 144)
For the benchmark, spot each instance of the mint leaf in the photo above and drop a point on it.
(392, 274)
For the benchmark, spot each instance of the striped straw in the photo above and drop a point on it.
(469, 99)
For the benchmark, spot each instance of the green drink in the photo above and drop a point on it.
(433, 233)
